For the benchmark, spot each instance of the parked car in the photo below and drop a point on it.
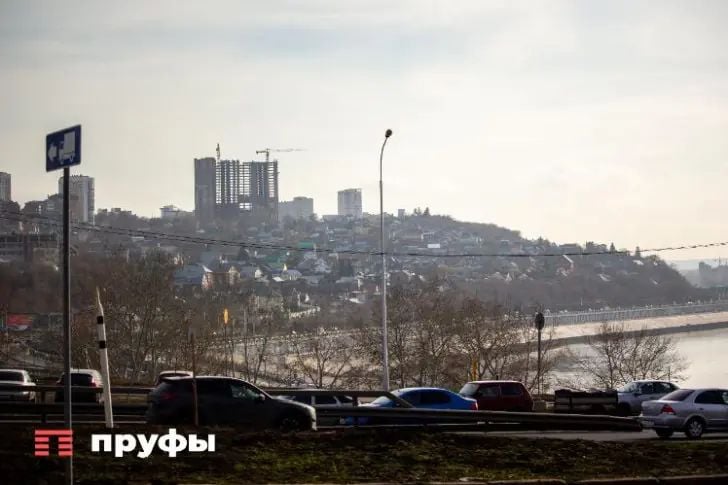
(631, 396)
(172, 373)
(81, 378)
(225, 400)
(691, 411)
(323, 401)
(499, 395)
(16, 377)
(419, 397)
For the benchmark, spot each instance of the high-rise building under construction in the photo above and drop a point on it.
(228, 189)
(259, 184)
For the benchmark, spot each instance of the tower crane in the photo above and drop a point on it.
(268, 151)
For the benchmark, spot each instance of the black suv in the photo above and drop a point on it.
(225, 400)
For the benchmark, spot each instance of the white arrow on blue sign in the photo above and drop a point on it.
(63, 148)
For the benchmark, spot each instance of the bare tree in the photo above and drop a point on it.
(616, 356)
(501, 345)
(323, 356)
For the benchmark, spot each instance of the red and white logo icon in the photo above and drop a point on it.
(64, 438)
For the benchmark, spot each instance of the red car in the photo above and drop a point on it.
(499, 395)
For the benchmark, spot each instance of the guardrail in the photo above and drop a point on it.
(524, 420)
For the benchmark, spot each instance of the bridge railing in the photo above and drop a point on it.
(635, 313)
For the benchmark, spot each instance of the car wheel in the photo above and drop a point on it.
(694, 428)
(292, 422)
(664, 433)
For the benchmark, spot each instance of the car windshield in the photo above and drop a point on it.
(469, 389)
(679, 395)
(11, 376)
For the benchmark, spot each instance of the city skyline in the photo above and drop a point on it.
(574, 122)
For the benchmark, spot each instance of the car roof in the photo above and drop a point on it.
(14, 370)
(410, 389)
(84, 371)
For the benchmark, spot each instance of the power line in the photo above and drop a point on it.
(20, 217)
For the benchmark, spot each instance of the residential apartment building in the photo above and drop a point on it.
(82, 198)
(349, 203)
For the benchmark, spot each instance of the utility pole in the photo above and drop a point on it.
(539, 321)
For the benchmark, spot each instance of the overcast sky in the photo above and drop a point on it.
(576, 121)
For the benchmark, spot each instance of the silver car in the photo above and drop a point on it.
(323, 402)
(632, 395)
(692, 411)
(16, 377)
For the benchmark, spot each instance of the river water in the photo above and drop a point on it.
(705, 352)
(707, 356)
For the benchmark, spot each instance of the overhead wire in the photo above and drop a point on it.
(37, 218)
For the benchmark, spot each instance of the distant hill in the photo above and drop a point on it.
(531, 278)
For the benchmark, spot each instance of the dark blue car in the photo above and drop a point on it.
(420, 397)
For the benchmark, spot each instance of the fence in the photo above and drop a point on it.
(635, 313)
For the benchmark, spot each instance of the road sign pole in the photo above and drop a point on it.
(67, 311)
(63, 150)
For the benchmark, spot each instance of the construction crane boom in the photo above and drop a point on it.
(268, 151)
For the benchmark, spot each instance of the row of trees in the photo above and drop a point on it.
(437, 337)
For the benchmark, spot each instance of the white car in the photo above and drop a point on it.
(635, 393)
(16, 377)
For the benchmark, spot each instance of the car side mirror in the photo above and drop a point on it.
(260, 398)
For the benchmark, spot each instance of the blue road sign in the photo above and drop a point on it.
(63, 148)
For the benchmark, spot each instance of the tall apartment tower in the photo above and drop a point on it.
(5, 193)
(260, 189)
(350, 203)
(82, 198)
(205, 189)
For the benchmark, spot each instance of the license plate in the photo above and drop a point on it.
(648, 424)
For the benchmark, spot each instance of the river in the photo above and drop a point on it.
(705, 353)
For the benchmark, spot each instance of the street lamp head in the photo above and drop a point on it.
(387, 133)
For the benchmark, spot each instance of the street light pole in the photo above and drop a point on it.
(539, 321)
(385, 345)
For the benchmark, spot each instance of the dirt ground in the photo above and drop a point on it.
(357, 456)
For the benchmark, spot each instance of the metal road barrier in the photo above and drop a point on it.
(17, 411)
(539, 421)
